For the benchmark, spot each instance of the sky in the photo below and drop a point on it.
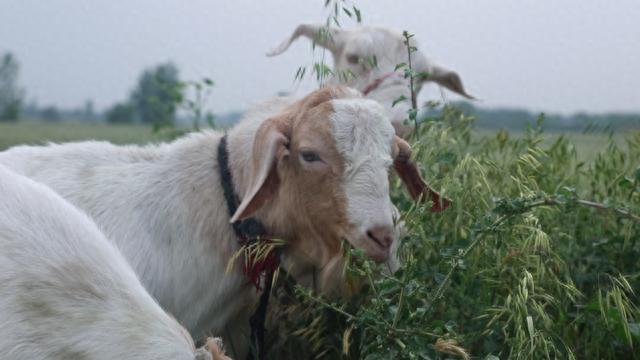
(545, 55)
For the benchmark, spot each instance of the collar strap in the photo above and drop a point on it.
(248, 230)
(378, 81)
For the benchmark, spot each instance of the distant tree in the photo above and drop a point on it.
(120, 114)
(157, 95)
(50, 113)
(10, 95)
(88, 111)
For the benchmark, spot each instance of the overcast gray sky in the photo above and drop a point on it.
(567, 56)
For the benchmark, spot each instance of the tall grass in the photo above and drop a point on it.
(537, 258)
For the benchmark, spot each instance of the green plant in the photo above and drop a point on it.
(537, 258)
(521, 266)
(191, 97)
(319, 67)
(11, 96)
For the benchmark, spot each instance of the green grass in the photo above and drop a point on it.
(587, 145)
(37, 133)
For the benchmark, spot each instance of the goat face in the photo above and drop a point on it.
(365, 58)
(320, 175)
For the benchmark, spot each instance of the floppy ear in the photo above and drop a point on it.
(449, 79)
(408, 172)
(269, 146)
(320, 34)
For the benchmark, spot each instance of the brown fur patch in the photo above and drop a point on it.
(309, 206)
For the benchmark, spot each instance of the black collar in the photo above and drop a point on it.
(248, 229)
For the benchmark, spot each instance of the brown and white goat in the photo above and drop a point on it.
(312, 171)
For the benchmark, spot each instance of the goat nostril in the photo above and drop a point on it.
(382, 235)
(388, 240)
(372, 236)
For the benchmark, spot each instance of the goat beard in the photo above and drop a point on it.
(335, 280)
(330, 279)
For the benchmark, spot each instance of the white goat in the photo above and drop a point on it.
(352, 51)
(67, 293)
(313, 172)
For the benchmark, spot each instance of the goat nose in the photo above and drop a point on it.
(381, 234)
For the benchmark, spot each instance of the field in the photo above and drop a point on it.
(536, 259)
(37, 133)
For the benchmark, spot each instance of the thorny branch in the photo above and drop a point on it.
(456, 261)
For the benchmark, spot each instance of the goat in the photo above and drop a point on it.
(66, 292)
(313, 171)
(352, 50)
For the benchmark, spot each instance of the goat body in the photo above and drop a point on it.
(314, 171)
(66, 292)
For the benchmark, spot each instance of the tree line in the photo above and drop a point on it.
(155, 98)
(159, 93)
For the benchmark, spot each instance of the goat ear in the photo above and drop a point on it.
(410, 175)
(319, 34)
(269, 146)
(449, 79)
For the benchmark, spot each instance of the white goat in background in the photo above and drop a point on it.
(353, 48)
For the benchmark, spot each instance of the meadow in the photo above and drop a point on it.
(38, 133)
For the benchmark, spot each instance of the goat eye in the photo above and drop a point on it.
(353, 59)
(310, 156)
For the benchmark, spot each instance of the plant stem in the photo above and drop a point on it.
(456, 261)
(400, 301)
(621, 212)
(332, 307)
(414, 97)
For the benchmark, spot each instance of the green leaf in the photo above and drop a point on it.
(399, 66)
(399, 99)
(358, 15)
(373, 61)
(300, 73)
(413, 113)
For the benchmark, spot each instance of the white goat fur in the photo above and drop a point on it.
(66, 292)
(164, 207)
(365, 42)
